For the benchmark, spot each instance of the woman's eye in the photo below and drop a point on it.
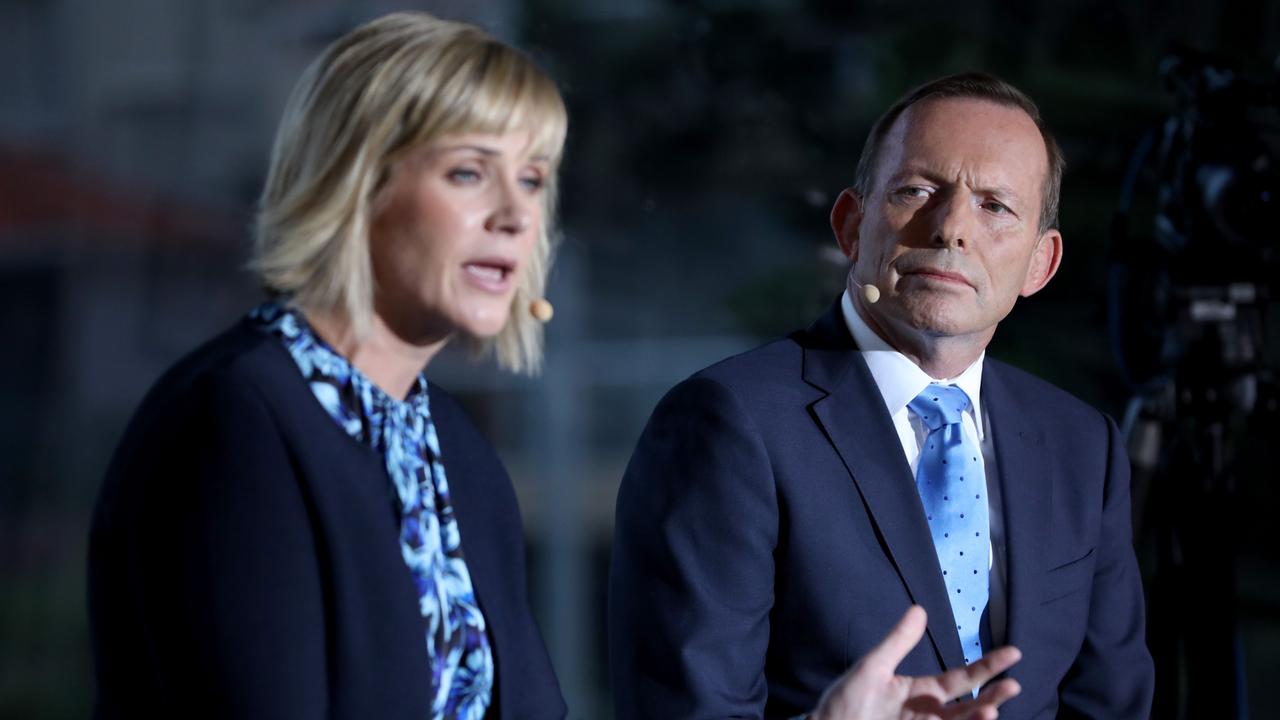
(464, 176)
(532, 183)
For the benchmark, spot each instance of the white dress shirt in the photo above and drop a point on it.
(899, 381)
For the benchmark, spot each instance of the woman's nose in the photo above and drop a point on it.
(513, 213)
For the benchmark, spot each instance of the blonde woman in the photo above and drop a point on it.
(297, 523)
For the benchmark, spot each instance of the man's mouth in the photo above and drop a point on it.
(941, 275)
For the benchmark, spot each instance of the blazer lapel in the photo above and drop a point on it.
(855, 421)
(1026, 488)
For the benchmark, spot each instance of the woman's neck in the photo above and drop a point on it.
(391, 362)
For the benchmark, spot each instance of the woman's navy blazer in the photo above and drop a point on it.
(244, 559)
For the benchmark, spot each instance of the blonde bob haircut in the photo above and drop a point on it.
(388, 87)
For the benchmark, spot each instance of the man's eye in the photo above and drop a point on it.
(913, 191)
(997, 208)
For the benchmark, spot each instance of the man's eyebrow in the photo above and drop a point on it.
(915, 171)
(999, 190)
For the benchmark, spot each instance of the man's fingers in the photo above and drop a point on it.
(895, 646)
(997, 692)
(984, 706)
(962, 681)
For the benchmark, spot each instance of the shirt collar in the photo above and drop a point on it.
(899, 379)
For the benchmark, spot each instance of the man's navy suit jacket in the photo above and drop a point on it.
(245, 558)
(769, 533)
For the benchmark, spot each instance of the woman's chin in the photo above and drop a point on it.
(485, 323)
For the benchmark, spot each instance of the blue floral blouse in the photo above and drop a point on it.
(462, 672)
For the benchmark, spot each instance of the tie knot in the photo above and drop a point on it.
(939, 405)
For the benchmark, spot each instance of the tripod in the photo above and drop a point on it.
(1184, 435)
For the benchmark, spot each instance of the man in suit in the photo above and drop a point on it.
(785, 506)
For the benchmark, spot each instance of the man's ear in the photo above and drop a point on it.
(846, 217)
(1045, 259)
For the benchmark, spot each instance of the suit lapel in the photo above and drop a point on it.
(855, 421)
(1026, 488)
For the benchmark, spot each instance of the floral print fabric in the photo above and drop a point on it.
(402, 432)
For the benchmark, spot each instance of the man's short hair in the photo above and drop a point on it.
(977, 86)
(392, 85)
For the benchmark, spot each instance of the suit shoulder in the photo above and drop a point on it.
(771, 362)
(219, 408)
(236, 370)
(754, 383)
(1044, 394)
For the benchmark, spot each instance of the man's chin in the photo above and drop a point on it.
(935, 317)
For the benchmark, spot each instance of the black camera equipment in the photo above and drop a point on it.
(1188, 322)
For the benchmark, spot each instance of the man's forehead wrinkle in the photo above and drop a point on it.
(1009, 122)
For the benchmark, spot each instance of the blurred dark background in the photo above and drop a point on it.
(707, 143)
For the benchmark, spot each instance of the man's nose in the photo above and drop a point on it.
(953, 219)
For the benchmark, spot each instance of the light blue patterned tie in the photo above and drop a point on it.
(953, 490)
